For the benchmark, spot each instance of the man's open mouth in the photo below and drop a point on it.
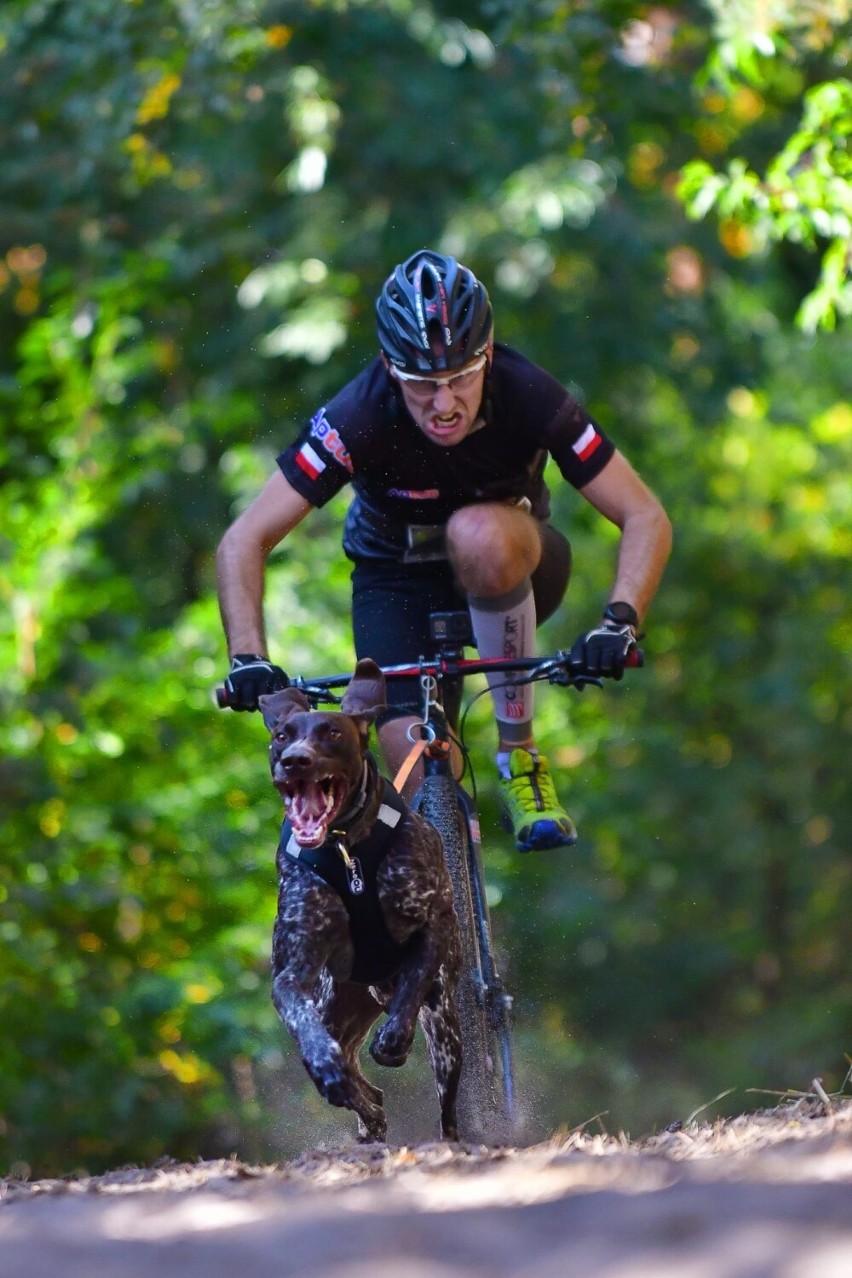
(312, 807)
(445, 427)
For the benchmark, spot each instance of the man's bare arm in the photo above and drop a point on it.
(241, 560)
(646, 533)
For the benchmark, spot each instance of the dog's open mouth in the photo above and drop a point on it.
(312, 806)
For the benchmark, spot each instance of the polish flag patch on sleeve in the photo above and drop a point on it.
(310, 461)
(587, 443)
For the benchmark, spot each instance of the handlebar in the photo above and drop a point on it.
(557, 669)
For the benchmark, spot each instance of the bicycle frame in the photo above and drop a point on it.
(487, 1104)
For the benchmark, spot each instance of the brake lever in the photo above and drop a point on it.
(563, 678)
(558, 672)
(314, 692)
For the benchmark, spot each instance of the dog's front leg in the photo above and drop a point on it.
(349, 1011)
(393, 1041)
(321, 1054)
(311, 926)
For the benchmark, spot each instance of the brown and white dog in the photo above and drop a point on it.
(365, 920)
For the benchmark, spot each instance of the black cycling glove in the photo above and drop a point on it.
(252, 676)
(606, 649)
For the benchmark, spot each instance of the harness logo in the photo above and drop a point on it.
(322, 430)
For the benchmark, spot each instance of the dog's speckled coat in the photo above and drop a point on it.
(328, 1015)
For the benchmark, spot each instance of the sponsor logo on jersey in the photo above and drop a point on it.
(322, 430)
(309, 461)
(587, 443)
(415, 494)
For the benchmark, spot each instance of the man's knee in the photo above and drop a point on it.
(492, 547)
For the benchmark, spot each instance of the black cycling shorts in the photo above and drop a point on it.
(391, 603)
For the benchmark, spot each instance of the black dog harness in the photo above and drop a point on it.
(352, 871)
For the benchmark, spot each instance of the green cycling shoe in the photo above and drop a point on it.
(531, 808)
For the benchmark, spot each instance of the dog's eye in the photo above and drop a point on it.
(335, 733)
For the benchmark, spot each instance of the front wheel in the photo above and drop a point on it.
(481, 1105)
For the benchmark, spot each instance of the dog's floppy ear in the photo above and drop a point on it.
(365, 697)
(276, 707)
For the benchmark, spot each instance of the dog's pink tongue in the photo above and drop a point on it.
(308, 813)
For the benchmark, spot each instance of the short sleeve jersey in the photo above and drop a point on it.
(366, 437)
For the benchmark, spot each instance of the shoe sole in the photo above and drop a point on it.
(543, 841)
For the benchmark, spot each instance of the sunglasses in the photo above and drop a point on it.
(431, 385)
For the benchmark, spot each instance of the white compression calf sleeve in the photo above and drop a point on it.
(505, 627)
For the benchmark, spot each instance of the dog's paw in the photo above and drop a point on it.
(332, 1080)
(372, 1131)
(391, 1045)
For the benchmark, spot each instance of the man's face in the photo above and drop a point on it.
(446, 406)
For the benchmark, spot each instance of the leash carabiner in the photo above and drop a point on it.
(429, 684)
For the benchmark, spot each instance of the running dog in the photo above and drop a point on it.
(365, 920)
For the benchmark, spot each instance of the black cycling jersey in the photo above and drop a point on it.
(403, 481)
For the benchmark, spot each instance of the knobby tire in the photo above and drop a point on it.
(481, 1112)
(498, 1004)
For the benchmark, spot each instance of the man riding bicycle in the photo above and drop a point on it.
(444, 438)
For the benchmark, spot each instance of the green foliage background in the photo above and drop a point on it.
(200, 202)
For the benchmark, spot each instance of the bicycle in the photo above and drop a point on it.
(487, 1103)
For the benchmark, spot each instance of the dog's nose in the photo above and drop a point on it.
(294, 761)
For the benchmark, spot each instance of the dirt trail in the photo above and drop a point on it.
(767, 1195)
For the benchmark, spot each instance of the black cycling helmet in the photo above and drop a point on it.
(432, 315)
